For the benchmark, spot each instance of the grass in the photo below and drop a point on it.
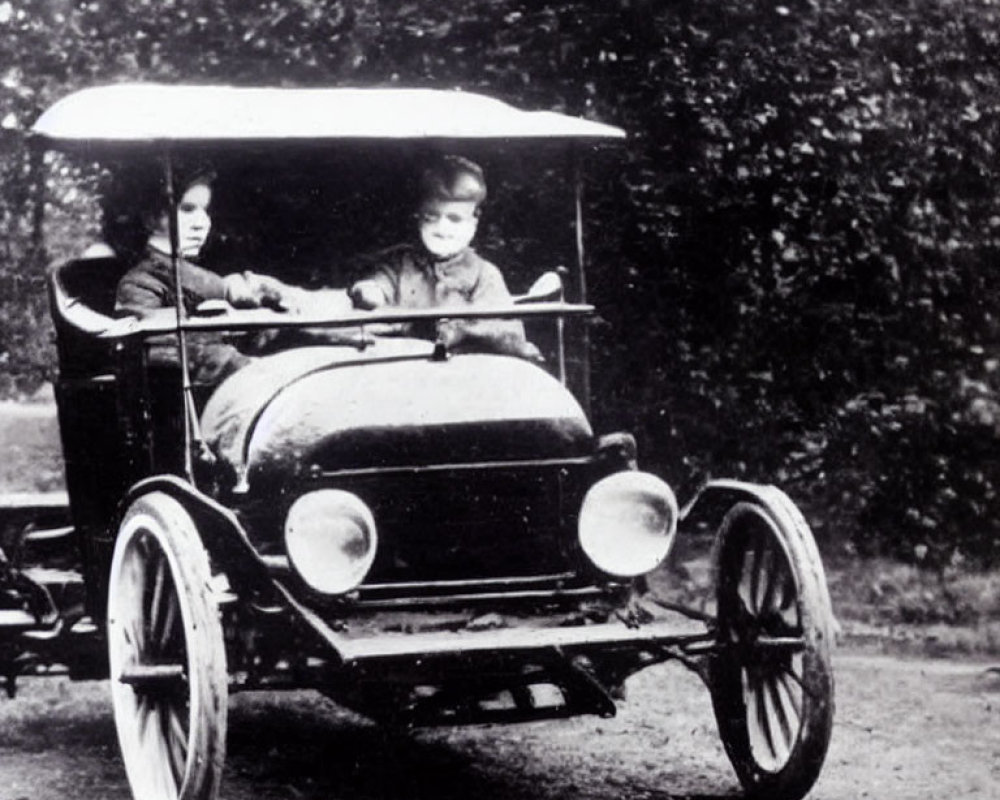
(904, 607)
(32, 456)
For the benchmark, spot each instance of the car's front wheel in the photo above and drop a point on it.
(771, 678)
(167, 659)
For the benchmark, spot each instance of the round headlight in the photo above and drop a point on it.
(627, 523)
(330, 539)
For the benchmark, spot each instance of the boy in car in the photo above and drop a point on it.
(440, 269)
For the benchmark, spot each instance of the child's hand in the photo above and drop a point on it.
(270, 291)
(239, 293)
(450, 332)
(250, 290)
(367, 295)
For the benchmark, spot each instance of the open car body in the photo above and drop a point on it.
(427, 536)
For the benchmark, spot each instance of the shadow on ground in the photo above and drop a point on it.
(302, 746)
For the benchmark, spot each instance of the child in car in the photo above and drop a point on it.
(135, 226)
(440, 269)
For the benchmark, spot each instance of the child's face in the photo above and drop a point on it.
(193, 221)
(447, 226)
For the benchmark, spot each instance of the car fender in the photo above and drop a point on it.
(714, 498)
(221, 533)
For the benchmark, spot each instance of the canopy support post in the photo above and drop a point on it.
(581, 275)
(192, 429)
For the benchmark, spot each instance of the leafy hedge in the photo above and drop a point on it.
(796, 255)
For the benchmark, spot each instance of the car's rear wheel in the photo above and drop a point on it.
(168, 665)
(771, 678)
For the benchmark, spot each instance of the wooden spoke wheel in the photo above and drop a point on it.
(168, 665)
(771, 679)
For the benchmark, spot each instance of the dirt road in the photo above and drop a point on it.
(905, 729)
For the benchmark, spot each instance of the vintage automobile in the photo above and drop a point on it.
(426, 536)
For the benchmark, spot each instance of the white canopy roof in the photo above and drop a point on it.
(145, 113)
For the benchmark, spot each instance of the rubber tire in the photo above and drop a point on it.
(159, 560)
(790, 773)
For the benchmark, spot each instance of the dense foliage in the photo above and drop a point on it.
(795, 255)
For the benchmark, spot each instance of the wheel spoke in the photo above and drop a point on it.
(156, 601)
(143, 711)
(764, 719)
(793, 698)
(793, 691)
(787, 606)
(766, 566)
(773, 580)
(780, 712)
(178, 728)
(781, 736)
(145, 743)
(742, 620)
(169, 622)
(133, 581)
(758, 723)
(793, 673)
(749, 701)
(162, 763)
(176, 738)
(757, 556)
(146, 554)
(787, 596)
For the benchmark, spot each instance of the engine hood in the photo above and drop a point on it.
(336, 408)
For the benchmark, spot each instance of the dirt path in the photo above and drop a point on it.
(905, 729)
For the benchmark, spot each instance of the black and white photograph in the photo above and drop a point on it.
(416, 400)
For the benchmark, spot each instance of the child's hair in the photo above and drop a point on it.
(452, 178)
(133, 199)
